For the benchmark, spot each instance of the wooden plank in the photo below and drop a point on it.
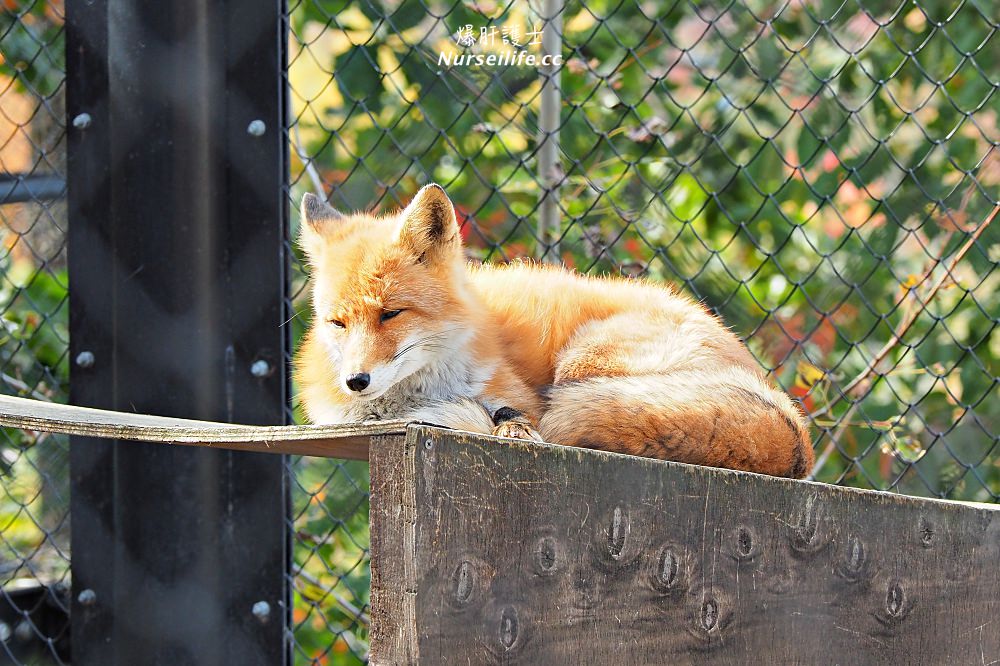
(393, 588)
(548, 555)
(348, 441)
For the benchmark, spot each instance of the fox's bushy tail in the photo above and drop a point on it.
(728, 418)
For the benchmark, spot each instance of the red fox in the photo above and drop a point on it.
(404, 328)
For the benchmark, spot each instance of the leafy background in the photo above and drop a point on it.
(34, 337)
(821, 173)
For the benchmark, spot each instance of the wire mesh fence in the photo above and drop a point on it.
(330, 576)
(822, 173)
(34, 474)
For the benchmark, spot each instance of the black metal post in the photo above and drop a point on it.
(177, 273)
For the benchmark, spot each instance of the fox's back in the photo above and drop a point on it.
(536, 310)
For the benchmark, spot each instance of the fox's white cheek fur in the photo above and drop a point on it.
(333, 349)
(440, 383)
(384, 376)
(416, 357)
(381, 378)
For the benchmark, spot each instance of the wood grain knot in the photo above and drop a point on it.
(926, 532)
(805, 535)
(509, 627)
(666, 573)
(463, 582)
(709, 614)
(745, 546)
(617, 533)
(668, 566)
(546, 556)
(897, 605)
(894, 598)
(855, 563)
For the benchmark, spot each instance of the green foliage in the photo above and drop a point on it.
(33, 475)
(30, 41)
(810, 169)
(805, 176)
(330, 515)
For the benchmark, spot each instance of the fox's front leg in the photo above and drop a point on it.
(508, 422)
(513, 406)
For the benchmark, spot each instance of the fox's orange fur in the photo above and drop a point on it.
(607, 363)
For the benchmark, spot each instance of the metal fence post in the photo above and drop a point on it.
(177, 274)
(549, 167)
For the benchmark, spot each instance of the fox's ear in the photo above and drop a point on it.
(430, 229)
(317, 213)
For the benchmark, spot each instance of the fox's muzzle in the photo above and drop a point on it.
(358, 382)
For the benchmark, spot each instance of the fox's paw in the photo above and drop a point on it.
(516, 430)
(513, 424)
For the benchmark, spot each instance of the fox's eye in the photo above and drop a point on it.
(335, 322)
(389, 314)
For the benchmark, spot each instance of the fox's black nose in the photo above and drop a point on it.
(358, 382)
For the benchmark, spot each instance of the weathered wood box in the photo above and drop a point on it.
(492, 551)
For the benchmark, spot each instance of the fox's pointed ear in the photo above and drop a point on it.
(317, 213)
(430, 229)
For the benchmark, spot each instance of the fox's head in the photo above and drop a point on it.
(388, 292)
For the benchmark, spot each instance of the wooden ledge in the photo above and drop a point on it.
(499, 551)
(351, 442)
(534, 554)
(347, 441)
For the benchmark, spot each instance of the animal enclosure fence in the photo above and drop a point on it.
(821, 173)
(34, 332)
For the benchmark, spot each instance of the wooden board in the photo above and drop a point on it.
(525, 554)
(349, 441)
(393, 520)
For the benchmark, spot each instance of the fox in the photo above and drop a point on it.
(404, 327)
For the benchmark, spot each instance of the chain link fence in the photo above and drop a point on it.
(34, 468)
(822, 173)
(330, 575)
